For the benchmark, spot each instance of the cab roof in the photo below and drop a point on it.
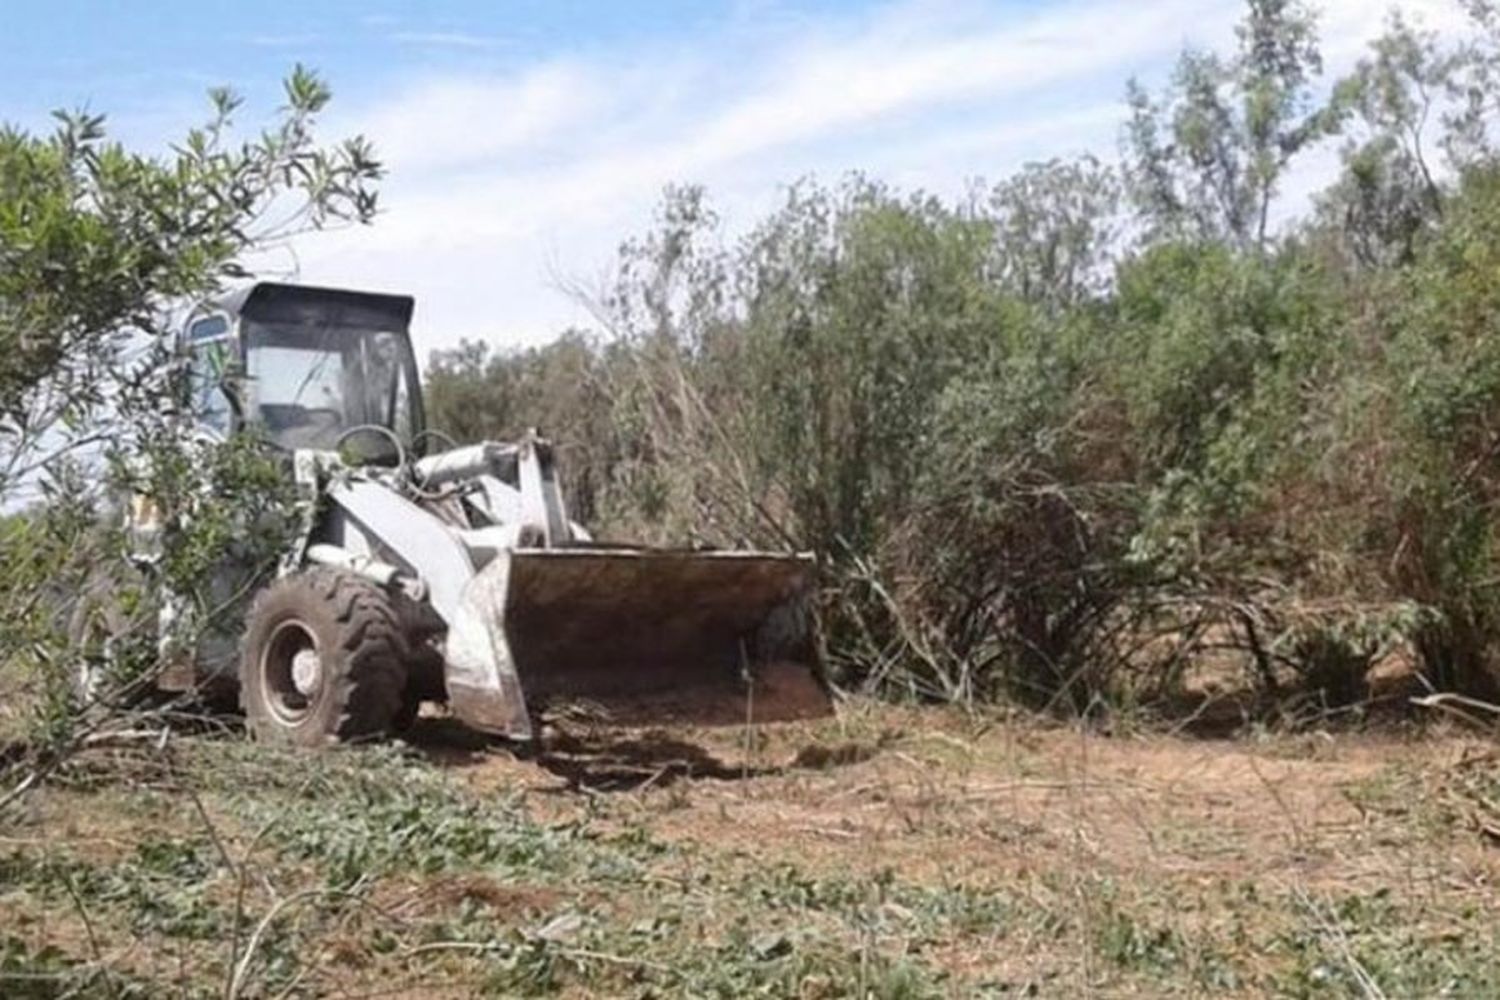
(274, 302)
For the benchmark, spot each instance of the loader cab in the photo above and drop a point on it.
(303, 365)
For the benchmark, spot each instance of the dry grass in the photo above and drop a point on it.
(889, 853)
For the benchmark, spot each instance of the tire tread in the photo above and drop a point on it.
(369, 683)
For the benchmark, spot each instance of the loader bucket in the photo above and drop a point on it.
(645, 636)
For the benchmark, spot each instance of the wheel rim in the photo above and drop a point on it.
(292, 674)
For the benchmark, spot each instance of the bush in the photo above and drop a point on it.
(1039, 461)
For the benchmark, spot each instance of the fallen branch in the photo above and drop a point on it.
(1455, 705)
(242, 968)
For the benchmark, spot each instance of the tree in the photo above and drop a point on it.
(97, 244)
(1205, 159)
(1389, 192)
(1475, 82)
(474, 393)
(1056, 225)
(99, 248)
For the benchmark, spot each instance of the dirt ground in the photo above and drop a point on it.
(887, 853)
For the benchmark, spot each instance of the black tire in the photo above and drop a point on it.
(406, 717)
(322, 660)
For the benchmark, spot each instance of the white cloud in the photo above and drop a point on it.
(1349, 25)
(498, 179)
(447, 123)
(451, 39)
(281, 41)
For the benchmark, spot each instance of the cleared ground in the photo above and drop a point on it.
(888, 853)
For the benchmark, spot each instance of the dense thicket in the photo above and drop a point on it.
(1062, 438)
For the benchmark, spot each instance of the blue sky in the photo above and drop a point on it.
(525, 139)
(135, 54)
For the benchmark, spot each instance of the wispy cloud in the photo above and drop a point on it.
(456, 122)
(497, 178)
(446, 39)
(282, 41)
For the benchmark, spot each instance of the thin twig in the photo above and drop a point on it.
(242, 968)
(1367, 984)
(88, 929)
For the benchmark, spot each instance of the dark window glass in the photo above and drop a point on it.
(311, 382)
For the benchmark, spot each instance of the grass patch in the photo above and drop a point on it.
(229, 867)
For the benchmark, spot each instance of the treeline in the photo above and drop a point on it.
(1057, 440)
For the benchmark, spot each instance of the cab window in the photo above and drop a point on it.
(211, 359)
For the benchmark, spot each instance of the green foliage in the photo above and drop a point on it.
(1042, 449)
(369, 824)
(1447, 384)
(46, 973)
(1056, 225)
(561, 388)
(1354, 942)
(97, 241)
(44, 557)
(1389, 194)
(100, 248)
(1205, 159)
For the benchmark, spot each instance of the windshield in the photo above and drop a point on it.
(312, 382)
